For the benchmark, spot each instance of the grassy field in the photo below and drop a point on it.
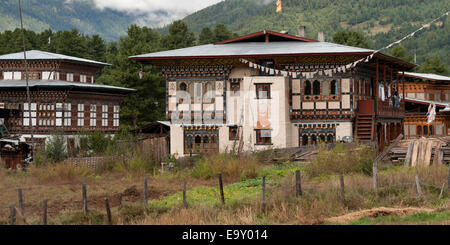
(395, 201)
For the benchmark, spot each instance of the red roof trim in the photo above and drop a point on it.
(261, 33)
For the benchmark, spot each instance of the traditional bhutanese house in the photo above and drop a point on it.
(256, 92)
(421, 91)
(63, 95)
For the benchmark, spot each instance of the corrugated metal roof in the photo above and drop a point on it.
(42, 55)
(165, 123)
(428, 76)
(256, 48)
(59, 84)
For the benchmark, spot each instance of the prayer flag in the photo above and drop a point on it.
(279, 6)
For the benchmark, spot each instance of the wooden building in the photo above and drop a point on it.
(63, 94)
(155, 137)
(216, 102)
(420, 91)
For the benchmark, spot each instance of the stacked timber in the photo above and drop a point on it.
(422, 152)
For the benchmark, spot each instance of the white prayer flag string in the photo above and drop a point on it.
(340, 69)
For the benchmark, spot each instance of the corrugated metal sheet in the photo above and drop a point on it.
(256, 48)
(41, 55)
(59, 84)
(428, 76)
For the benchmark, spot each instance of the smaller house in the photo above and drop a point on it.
(13, 152)
(156, 138)
(420, 91)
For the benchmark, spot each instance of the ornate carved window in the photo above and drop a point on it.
(316, 89)
(308, 88)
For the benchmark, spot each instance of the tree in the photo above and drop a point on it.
(222, 33)
(148, 103)
(206, 36)
(179, 36)
(351, 38)
(434, 66)
(400, 52)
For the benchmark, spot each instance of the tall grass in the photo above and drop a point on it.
(342, 159)
(209, 166)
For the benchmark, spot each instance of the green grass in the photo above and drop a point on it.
(412, 219)
(234, 193)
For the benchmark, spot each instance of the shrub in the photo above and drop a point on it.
(78, 218)
(98, 142)
(56, 148)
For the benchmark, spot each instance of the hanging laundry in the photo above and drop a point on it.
(381, 92)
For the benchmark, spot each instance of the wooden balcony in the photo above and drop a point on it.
(382, 108)
(387, 109)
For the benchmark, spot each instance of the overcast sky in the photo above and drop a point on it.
(156, 12)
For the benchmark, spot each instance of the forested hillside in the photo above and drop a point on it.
(382, 21)
(40, 15)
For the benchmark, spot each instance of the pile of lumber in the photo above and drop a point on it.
(422, 152)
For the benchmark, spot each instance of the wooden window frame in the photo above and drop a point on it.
(233, 133)
(263, 140)
(266, 87)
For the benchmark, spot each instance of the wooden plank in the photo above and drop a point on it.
(427, 153)
(409, 153)
(415, 153)
(437, 151)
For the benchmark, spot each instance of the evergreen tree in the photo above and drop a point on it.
(222, 33)
(148, 103)
(179, 36)
(434, 66)
(351, 38)
(400, 52)
(206, 36)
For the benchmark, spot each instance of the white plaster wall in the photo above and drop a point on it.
(279, 112)
(344, 129)
(176, 140)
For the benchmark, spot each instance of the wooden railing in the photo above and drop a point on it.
(387, 108)
(382, 108)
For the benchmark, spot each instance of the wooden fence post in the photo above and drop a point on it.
(263, 198)
(375, 174)
(341, 180)
(19, 192)
(120, 202)
(85, 207)
(442, 191)
(419, 189)
(222, 196)
(298, 183)
(380, 157)
(44, 213)
(22, 216)
(108, 211)
(145, 192)
(12, 214)
(184, 195)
